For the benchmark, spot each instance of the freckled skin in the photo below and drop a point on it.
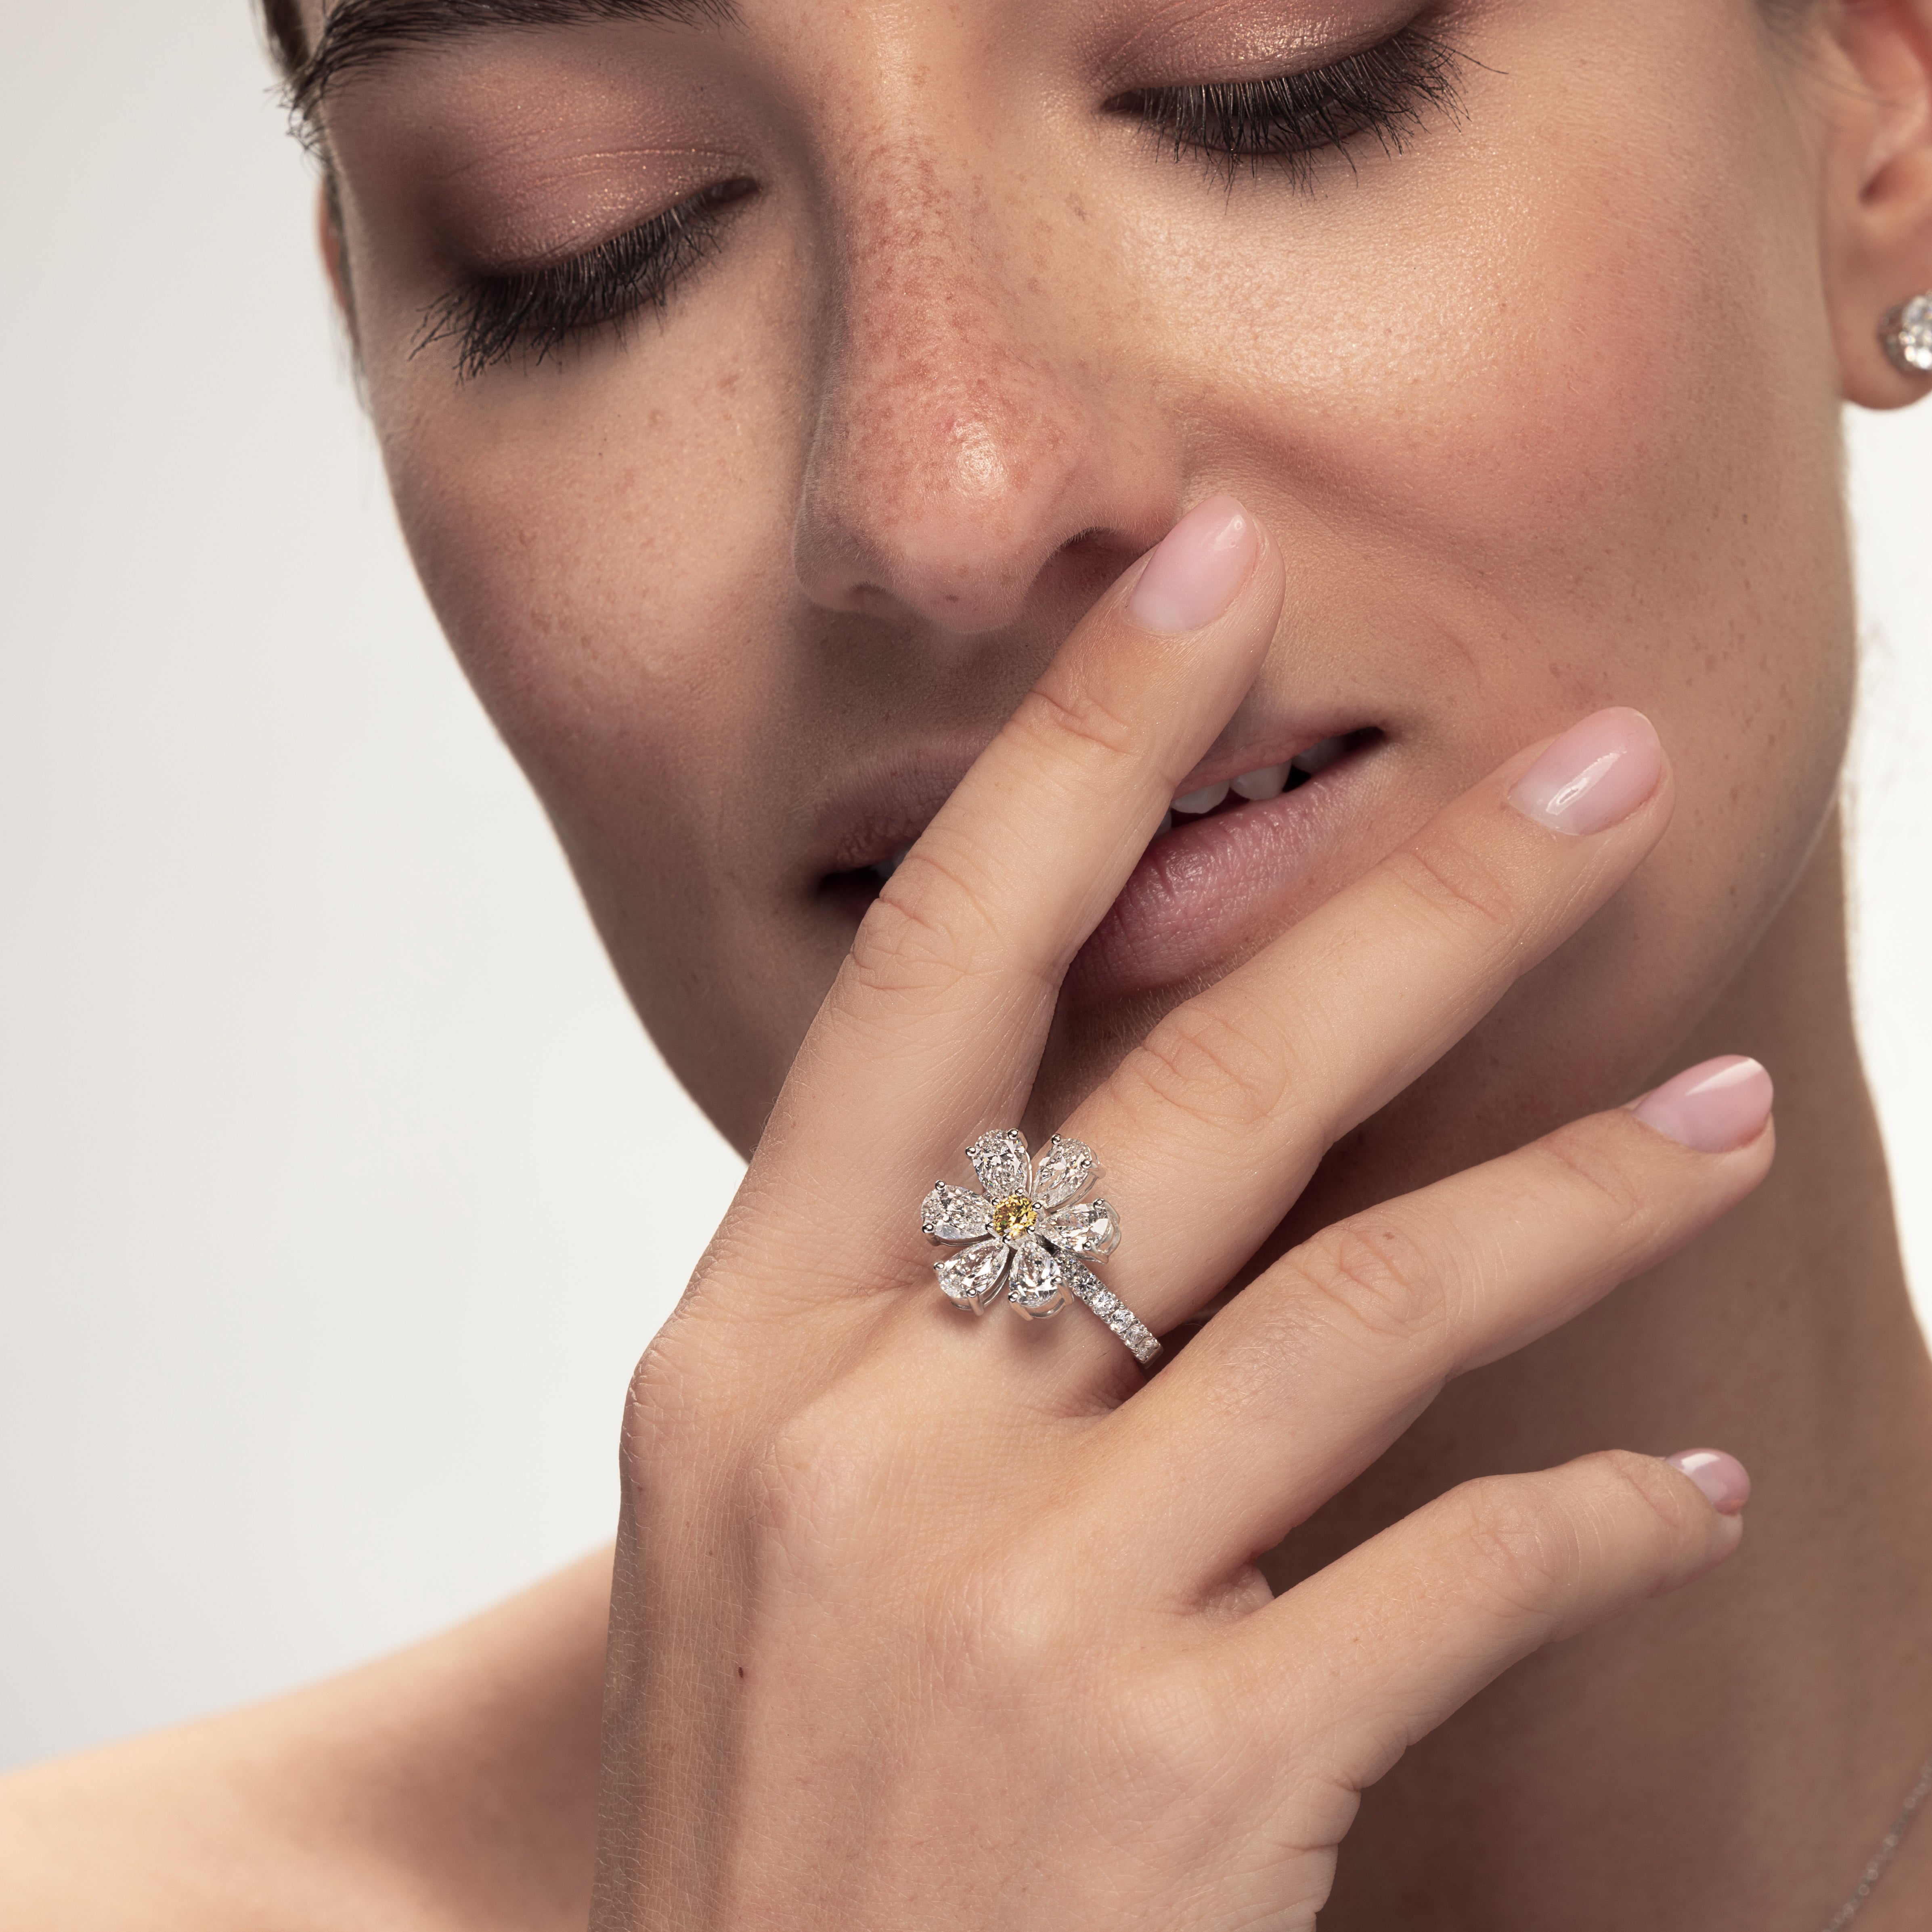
(1502, 398)
(1542, 412)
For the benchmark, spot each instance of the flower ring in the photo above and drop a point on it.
(1030, 1223)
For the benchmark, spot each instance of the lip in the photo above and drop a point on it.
(887, 809)
(1210, 888)
(1200, 893)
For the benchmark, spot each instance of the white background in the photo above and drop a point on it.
(327, 1146)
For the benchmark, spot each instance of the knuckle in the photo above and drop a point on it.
(932, 926)
(1202, 1062)
(668, 1416)
(819, 1522)
(1371, 1280)
(802, 1484)
(662, 1395)
(1520, 1549)
(1640, 1487)
(1585, 1159)
(1006, 1597)
(1013, 1623)
(1068, 710)
(1456, 885)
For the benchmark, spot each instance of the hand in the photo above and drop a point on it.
(924, 1622)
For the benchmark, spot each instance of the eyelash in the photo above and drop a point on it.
(537, 310)
(1288, 121)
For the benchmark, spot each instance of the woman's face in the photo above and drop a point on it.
(1531, 379)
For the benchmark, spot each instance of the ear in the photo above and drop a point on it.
(1878, 201)
(335, 250)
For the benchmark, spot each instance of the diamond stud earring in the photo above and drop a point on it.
(1906, 334)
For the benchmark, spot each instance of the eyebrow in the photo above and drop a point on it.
(359, 35)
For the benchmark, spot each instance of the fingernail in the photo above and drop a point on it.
(1594, 776)
(1715, 1107)
(1725, 1481)
(1196, 568)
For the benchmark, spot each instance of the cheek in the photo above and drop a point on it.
(1557, 428)
(590, 540)
(1568, 419)
(1582, 387)
(599, 548)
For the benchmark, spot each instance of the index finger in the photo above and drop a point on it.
(935, 1024)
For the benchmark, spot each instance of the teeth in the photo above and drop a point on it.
(1271, 781)
(1205, 799)
(1268, 783)
(1165, 825)
(885, 868)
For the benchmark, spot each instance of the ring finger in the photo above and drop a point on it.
(1213, 1126)
(1315, 1367)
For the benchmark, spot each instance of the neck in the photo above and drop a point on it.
(1728, 1758)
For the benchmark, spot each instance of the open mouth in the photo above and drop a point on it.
(1232, 861)
(1257, 787)
(1226, 798)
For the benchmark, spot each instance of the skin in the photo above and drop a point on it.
(1565, 377)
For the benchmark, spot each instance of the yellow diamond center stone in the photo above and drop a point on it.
(1014, 1216)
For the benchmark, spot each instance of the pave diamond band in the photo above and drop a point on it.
(1118, 1315)
(1028, 1230)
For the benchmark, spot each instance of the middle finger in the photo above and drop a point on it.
(1212, 1126)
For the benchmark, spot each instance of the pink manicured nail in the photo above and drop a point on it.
(1715, 1107)
(1725, 1481)
(1193, 574)
(1594, 776)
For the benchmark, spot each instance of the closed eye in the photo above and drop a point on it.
(1290, 120)
(535, 311)
(1286, 122)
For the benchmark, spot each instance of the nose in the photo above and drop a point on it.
(963, 441)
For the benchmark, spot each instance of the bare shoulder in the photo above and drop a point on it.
(454, 1784)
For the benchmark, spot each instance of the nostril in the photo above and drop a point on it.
(941, 487)
(963, 573)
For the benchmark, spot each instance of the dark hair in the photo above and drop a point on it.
(282, 22)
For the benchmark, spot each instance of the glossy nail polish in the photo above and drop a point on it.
(1714, 1107)
(1194, 571)
(1725, 1481)
(1594, 776)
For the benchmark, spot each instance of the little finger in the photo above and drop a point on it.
(1310, 1373)
(1372, 1653)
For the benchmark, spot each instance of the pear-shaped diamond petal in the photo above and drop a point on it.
(1000, 1162)
(972, 1277)
(1066, 1171)
(1040, 1284)
(1026, 1231)
(1087, 1228)
(951, 1214)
